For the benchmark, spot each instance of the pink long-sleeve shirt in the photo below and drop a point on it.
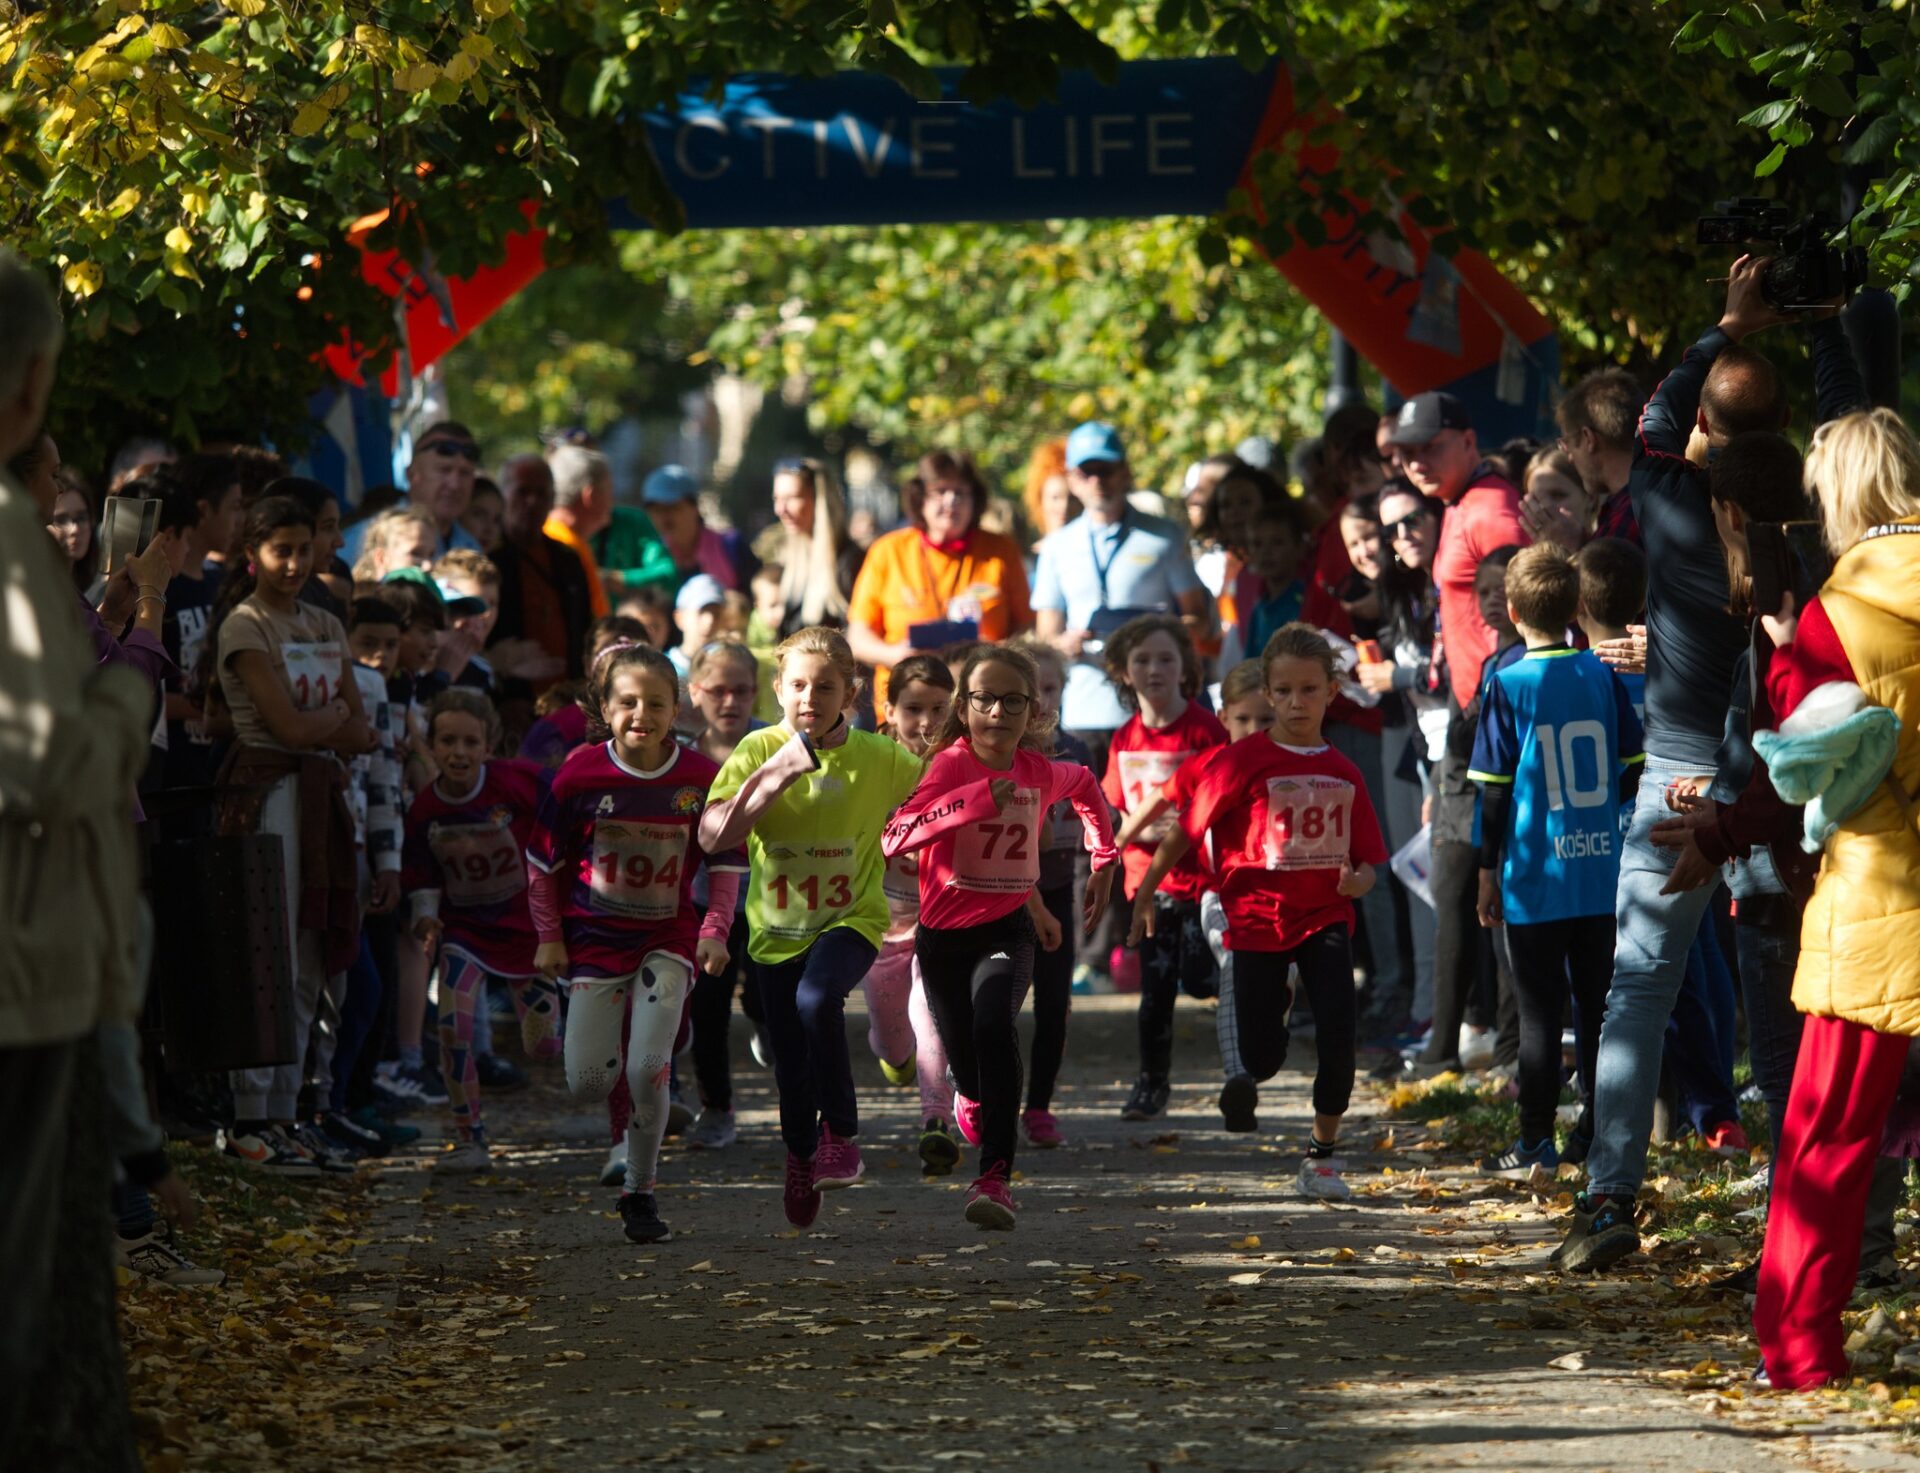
(977, 865)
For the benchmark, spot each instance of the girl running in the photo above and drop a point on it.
(1296, 841)
(611, 868)
(1052, 969)
(724, 681)
(1155, 670)
(463, 871)
(900, 1028)
(810, 796)
(976, 821)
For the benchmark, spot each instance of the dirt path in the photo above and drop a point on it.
(1167, 1300)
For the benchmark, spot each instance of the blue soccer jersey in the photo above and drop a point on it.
(1558, 727)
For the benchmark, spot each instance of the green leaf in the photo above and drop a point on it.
(1771, 162)
(1830, 95)
(1766, 115)
(1875, 140)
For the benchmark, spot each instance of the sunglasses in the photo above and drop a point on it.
(464, 449)
(1405, 527)
(1013, 703)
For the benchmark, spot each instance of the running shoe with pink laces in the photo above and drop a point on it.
(990, 1199)
(1729, 1139)
(1042, 1129)
(800, 1199)
(966, 1115)
(837, 1163)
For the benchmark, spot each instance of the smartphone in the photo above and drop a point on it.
(126, 529)
(1369, 651)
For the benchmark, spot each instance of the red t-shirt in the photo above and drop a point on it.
(470, 850)
(1486, 516)
(1282, 822)
(1140, 761)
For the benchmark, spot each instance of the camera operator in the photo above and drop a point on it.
(1720, 389)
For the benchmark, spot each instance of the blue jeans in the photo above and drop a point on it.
(1700, 1035)
(1654, 934)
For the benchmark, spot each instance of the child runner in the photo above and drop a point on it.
(611, 868)
(724, 682)
(1245, 711)
(466, 833)
(899, 1022)
(977, 818)
(1156, 671)
(1557, 752)
(1052, 969)
(811, 796)
(1296, 841)
(563, 716)
(288, 680)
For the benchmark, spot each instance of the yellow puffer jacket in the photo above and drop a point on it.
(1860, 939)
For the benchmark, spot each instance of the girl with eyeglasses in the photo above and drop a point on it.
(976, 822)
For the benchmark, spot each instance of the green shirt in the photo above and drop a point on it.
(816, 851)
(630, 549)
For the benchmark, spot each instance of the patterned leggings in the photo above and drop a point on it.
(598, 1025)
(462, 992)
(900, 1026)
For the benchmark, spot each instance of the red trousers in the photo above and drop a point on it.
(1844, 1084)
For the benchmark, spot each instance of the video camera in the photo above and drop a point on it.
(1805, 271)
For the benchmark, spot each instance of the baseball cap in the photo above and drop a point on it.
(669, 484)
(1426, 415)
(701, 591)
(1095, 441)
(460, 605)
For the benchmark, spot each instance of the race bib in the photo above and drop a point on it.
(808, 886)
(313, 672)
(637, 868)
(480, 861)
(1065, 828)
(1002, 854)
(1309, 822)
(1142, 776)
(902, 882)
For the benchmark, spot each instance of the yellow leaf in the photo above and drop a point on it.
(124, 203)
(416, 78)
(310, 119)
(179, 240)
(168, 38)
(193, 199)
(460, 67)
(491, 9)
(248, 8)
(476, 45)
(1246, 1244)
(83, 279)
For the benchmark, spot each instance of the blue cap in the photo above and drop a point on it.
(701, 591)
(670, 484)
(1095, 441)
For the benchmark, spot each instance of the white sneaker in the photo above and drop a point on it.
(468, 1156)
(154, 1257)
(1476, 1047)
(1321, 1180)
(614, 1173)
(1752, 1185)
(713, 1131)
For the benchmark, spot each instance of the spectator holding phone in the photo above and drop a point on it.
(941, 579)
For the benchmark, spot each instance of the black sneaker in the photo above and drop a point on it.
(1148, 1099)
(1238, 1097)
(1609, 1236)
(1744, 1281)
(1582, 1220)
(343, 1132)
(642, 1218)
(498, 1074)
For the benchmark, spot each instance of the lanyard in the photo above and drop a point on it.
(1122, 531)
(1890, 529)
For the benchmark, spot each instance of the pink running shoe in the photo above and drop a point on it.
(966, 1115)
(801, 1201)
(1042, 1129)
(837, 1163)
(990, 1200)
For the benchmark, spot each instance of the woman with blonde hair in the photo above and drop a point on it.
(818, 560)
(398, 538)
(1845, 689)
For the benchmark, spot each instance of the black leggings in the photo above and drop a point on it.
(712, 1013)
(1548, 957)
(1261, 998)
(1175, 959)
(1456, 946)
(1052, 998)
(974, 977)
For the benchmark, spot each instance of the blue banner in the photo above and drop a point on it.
(1167, 138)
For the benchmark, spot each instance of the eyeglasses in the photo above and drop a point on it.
(1098, 470)
(1406, 527)
(464, 449)
(1012, 702)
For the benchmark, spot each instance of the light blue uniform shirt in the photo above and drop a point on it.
(1140, 562)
